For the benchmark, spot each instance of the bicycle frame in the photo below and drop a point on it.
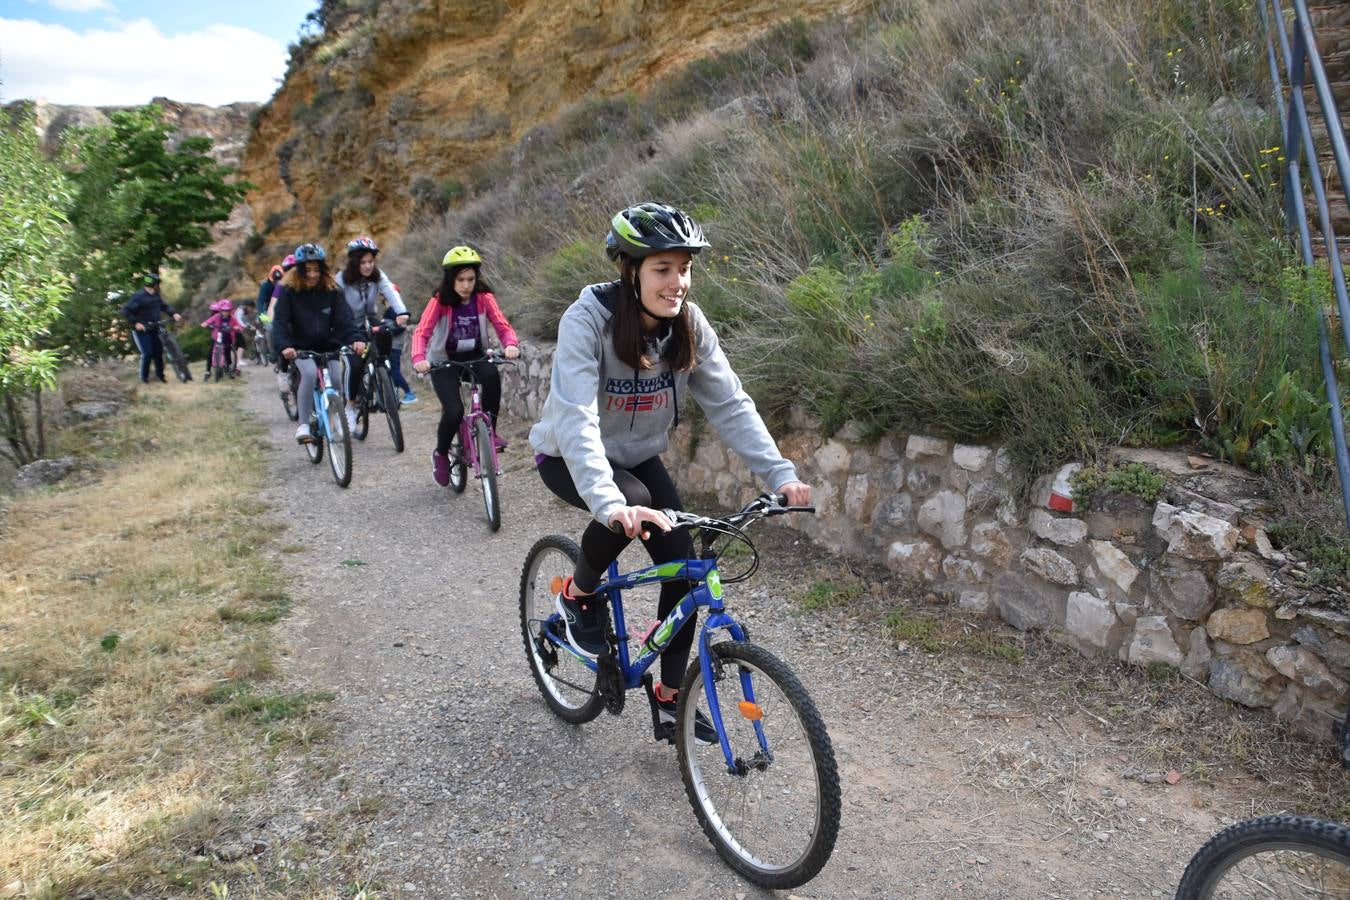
(473, 411)
(707, 591)
(320, 394)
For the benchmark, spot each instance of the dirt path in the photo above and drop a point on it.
(952, 787)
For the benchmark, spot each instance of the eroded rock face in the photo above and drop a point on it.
(426, 90)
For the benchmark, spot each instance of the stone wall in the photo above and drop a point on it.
(1190, 581)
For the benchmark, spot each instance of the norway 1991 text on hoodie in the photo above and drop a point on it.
(599, 409)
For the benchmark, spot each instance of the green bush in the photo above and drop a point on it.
(1135, 479)
(195, 342)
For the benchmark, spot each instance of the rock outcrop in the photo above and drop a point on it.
(423, 91)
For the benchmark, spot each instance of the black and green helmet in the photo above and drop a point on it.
(649, 228)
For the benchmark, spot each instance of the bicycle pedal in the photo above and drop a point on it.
(665, 731)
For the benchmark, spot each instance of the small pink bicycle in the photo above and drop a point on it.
(476, 443)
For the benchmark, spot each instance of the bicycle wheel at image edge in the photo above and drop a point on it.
(340, 441)
(389, 400)
(459, 471)
(568, 685)
(482, 438)
(1274, 856)
(775, 820)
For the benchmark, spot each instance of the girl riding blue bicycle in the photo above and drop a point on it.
(311, 314)
(626, 352)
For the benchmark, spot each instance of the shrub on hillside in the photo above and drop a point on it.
(1053, 225)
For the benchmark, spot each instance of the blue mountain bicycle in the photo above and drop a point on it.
(767, 793)
(328, 421)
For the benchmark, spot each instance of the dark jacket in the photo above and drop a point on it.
(264, 296)
(319, 321)
(145, 308)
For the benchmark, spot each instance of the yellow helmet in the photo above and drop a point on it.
(461, 256)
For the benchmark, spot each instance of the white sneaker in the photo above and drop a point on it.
(302, 434)
(283, 382)
(351, 419)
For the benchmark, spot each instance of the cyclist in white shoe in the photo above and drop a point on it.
(626, 352)
(311, 314)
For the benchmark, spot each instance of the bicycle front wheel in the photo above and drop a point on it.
(175, 354)
(389, 400)
(773, 817)
(569, 686)
(339, 441)
(1274, 856)
(487, 472)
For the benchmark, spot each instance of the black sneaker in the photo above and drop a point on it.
(583, 623)
(704, 733)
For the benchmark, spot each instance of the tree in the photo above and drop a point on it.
(33, 197)
(139, 199)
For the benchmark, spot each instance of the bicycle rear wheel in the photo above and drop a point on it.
(288, 403)
(1274, 856)
(775, 818)
(339, 440)
(569, 686)
(487, 472)
(459, 471)
(389, 400)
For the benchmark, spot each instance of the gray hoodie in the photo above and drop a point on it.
(600, 410)
(363, 298)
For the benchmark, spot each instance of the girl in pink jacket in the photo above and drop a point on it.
(222, 319)
(453, 328)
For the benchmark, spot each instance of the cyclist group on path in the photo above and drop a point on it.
(626, 351)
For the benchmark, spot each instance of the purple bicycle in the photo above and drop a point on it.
(476, 443)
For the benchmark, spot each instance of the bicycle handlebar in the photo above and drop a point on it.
(491, 356)
(321, 358)
(763, 506)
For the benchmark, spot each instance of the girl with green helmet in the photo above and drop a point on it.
(454, 327)
(627, 350)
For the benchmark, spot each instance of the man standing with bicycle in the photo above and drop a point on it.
(143, 311)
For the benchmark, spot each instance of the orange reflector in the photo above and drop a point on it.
(556, 584)
(750, 710)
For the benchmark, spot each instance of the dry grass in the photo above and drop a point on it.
(135, 656)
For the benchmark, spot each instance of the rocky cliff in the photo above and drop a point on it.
(377, 111)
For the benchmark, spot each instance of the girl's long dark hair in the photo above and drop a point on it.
(446, 292)
(295, 278)
(630, 345)
(352, 273)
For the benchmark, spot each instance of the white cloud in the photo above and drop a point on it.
(80, 5)
(135, 62)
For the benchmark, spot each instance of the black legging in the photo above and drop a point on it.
(646, 484)
(446, 383)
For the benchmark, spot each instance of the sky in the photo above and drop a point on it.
(126, 52)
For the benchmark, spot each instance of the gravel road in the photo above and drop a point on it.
(407, 609)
